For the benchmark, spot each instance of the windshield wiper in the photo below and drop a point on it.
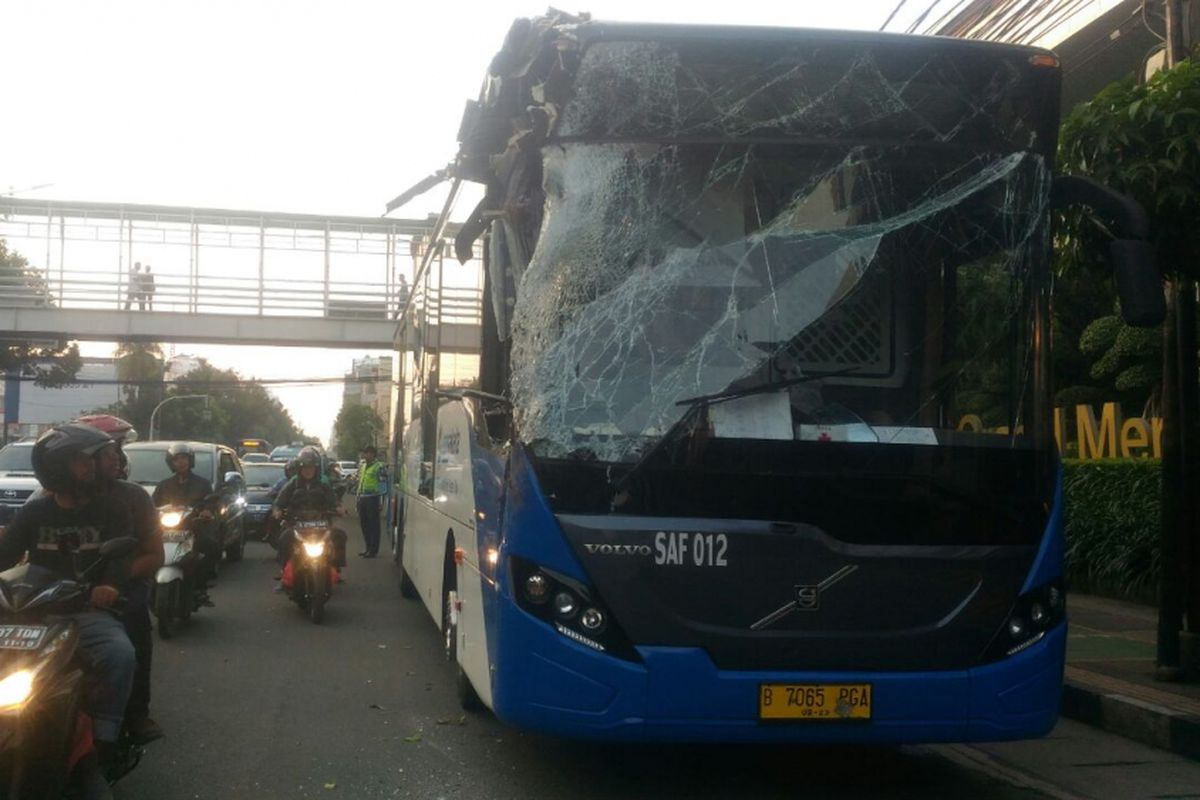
(699, 405)
(761, 388)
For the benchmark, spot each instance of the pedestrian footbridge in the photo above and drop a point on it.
(118, 272)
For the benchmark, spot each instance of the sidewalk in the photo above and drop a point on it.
(1110, 682)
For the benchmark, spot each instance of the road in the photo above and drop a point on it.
(260, 703)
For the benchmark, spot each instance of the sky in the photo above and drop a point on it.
(277, 105)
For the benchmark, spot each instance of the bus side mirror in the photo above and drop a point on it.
(1139, 286)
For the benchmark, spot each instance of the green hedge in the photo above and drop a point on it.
(1112, 526)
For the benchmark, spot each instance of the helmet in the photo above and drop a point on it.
(291, 468)
(308, 457)
(180, 449)
(56, 447)
(120, 430)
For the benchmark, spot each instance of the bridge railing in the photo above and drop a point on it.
(296, 297)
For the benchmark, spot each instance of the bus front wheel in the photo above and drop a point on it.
(468, 698)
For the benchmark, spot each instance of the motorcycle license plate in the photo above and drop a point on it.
(312, 523)
(22, 637)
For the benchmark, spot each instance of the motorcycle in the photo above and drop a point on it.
(44, 733)
(309, 575)
(179, 588)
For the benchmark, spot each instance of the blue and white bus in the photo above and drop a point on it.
(752, 437)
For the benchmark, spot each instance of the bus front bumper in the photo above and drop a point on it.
(546, 682)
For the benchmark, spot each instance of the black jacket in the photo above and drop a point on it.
(172, 492)
(306, 496)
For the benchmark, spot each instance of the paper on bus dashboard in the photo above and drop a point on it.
(760, 416)
(861, 432)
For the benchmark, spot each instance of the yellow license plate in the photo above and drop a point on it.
(814, 701)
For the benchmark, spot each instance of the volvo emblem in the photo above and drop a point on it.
(807, 598)
(617, 549)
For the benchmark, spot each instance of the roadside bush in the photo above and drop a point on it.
(1112, 526)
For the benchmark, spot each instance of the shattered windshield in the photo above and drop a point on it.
(668, 269)
(717, 265)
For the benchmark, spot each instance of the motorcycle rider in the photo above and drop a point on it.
(307, 492)
(113, 471)
(185, 488)
(289, 471)
(76, 515)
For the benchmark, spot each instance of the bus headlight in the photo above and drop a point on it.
(1033, 615)
(565, 605)
(15, 690)
(314, 549)
(537, 588)
(569, 606)
(592, 619)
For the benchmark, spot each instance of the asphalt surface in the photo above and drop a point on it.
(260, 703)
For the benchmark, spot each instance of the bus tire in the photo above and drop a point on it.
(468, 698)
(408, 589)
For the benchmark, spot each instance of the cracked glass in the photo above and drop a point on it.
(859, 230)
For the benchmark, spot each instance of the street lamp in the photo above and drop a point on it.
(154, 413)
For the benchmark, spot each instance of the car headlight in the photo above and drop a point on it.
(171, 519)
(314, 549)
(15, 690)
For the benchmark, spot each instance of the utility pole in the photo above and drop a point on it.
(1178, 650)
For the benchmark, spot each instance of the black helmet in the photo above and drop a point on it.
(308, 457)
(56, 447)
(291, 468)
(180, 449)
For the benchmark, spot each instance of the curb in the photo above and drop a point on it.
(1150, 716)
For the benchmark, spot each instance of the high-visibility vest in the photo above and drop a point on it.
(369, 478)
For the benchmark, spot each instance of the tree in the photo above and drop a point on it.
(50, 364)
(236, 408)
(1145, 141)
(356, 427)
(140, 370)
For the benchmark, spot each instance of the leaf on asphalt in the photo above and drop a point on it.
(416, 737)
(383, 647)
(444, 721)
(331, 786)
(376, 706)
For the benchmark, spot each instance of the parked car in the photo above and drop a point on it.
(16, 479)
(256, 458)
(215, 463)
(260, 481)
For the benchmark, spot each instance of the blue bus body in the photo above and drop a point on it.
(546, 681)
(759, 444)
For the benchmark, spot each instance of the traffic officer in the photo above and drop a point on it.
(372, 486)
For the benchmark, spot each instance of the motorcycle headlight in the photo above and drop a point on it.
(15, 690)
(171, 519)
(314, 549)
